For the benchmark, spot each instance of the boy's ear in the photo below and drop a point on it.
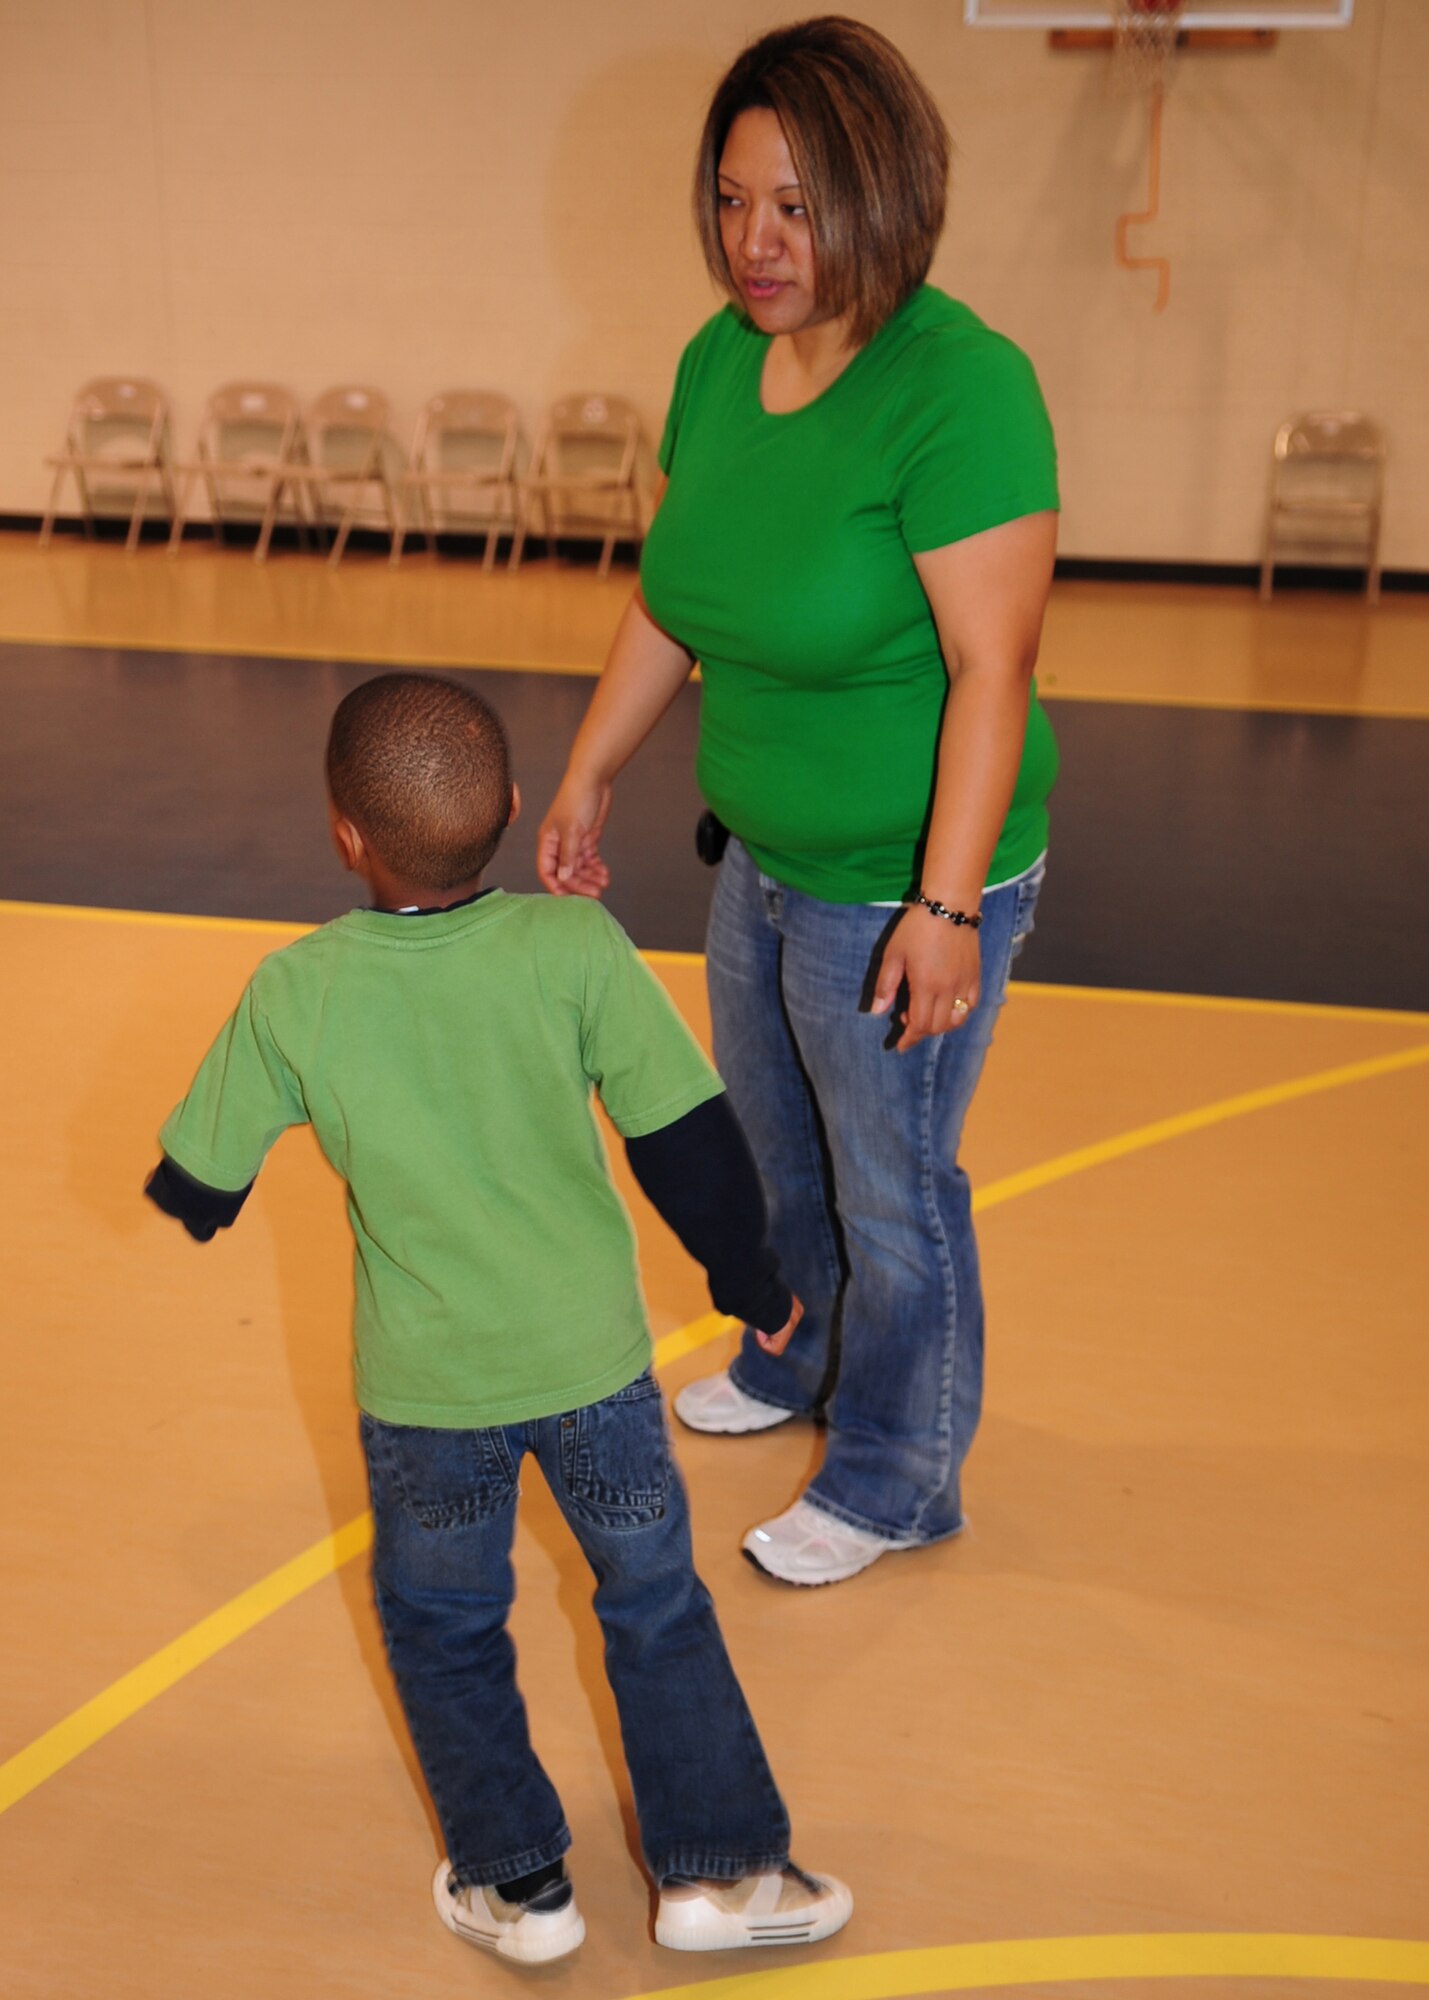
(515, 812)
(347, 839)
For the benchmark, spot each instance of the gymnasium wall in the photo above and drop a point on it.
(424, 193)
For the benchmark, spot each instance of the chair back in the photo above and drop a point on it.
(348, 425)
(591, 433)
(463, 430)
(1328, 458)
(244, 421)
(1330, 434)
(114, 412)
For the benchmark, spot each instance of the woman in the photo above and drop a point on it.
(855, 540)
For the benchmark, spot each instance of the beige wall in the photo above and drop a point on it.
(430, 192)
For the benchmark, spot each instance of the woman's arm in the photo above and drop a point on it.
(644, 671)
(988, 595)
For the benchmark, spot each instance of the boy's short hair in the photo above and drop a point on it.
(422, 768)
(869, 146)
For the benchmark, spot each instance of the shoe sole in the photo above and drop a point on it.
(555, 1944)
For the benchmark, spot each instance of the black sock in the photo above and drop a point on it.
(521, 1888)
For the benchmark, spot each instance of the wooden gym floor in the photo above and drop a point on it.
(1162, 1712)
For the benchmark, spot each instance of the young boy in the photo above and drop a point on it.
(443, 1044)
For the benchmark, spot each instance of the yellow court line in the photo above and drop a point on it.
(1140, 996)
(269, 926)
(1131, 996)
(163, 919)
(960, 1968)
(152, 1677)
(1184, 1122)
(80, 1730)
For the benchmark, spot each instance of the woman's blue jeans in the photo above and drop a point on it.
(870, 1212)
(444, 1507)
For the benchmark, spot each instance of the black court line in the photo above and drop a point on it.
(1267, 856)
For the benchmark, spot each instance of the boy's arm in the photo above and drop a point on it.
(214, 1142)
(700, 1175)
(684, 1143)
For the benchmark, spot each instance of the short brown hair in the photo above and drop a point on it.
(421, 767)
(871, 151)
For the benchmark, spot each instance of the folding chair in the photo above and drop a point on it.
(1326, 476)
(585, 454)
(464, 448)
(119, 427)
(348, 432)
(251, 435)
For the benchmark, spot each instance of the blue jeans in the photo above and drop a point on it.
(869, 1210)
(444, 1506)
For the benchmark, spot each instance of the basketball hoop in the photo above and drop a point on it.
(1145, 37)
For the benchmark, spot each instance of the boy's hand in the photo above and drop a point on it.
(775, 1343)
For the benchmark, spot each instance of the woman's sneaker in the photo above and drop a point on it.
(719, 1405)
(787, 1908)
(806, 1545)
(532, 1932)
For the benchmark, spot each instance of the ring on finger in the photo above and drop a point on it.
(960, 1006)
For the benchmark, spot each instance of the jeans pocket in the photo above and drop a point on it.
(615, 1457)
(445, 1479)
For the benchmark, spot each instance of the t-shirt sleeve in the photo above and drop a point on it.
(643, 1060)
(971, 446)
(243, 1098)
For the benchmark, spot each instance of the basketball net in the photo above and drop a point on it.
(1144, 44)
(1143, 56)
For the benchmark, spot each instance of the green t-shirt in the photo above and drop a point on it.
(446, 1064)
(781, 556)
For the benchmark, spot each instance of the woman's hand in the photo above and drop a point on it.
(942, 966)
(644, 672)
(568, 858)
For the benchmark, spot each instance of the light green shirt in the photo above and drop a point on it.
(446, 1064)
(782, 558)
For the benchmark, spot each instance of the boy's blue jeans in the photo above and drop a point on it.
(444, 1506)
(869, 1210)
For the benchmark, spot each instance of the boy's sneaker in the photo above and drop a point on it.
(806, 1545)
(787, 1908)
(532, 1932)
(719, 1405)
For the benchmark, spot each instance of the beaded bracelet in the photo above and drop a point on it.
(920, 901)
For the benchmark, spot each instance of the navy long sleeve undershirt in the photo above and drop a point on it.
(201, 1209)
(700, 1174)
(697, 1172)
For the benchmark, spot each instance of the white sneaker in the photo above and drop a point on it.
(787, 1908)
(547, 1925)
(718, 1405)
(806, 1545)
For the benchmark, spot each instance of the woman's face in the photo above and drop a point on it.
(764, 226)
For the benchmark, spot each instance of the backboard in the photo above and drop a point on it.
(1195, 14)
